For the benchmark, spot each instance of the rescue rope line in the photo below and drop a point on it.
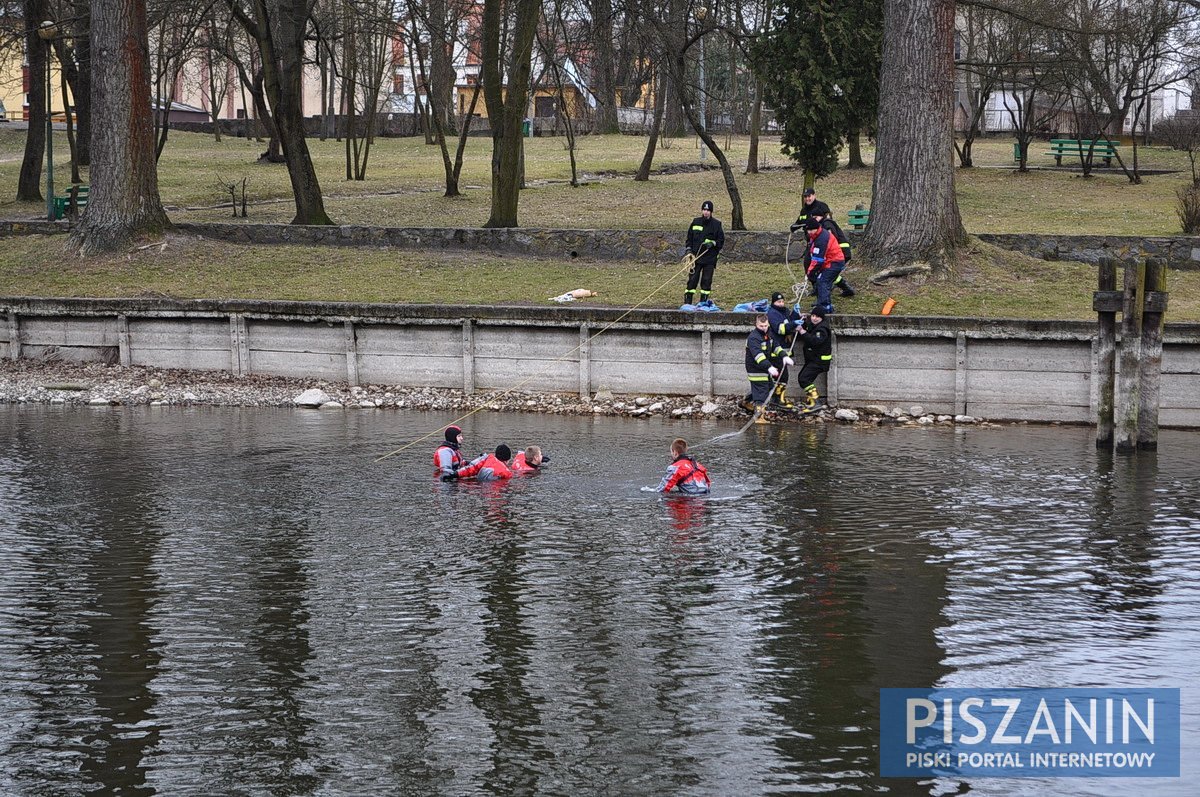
(689, 260)
(799, 291)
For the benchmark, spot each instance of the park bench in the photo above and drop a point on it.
(1072, 146)
(61, 203)
(859, 217)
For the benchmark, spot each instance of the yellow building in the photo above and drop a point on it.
(14, 86)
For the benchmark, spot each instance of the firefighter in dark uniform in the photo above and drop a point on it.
(763, 358)
(784, 322)
(704, 240)
(811, 206)
(818, 354)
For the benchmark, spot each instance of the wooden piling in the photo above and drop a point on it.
(1106, 358)
(1128, 400)
(1151, 358)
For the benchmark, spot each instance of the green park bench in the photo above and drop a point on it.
(858, 218)
(61, 203)
(1071, 146)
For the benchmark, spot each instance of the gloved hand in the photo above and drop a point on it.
(795, 228)
(788, 361)
(449, 477)
(773, 371)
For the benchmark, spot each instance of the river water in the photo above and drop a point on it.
(242, 602)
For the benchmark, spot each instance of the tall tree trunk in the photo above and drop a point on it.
(80, 77)
(643, 172)
(440, 82)
(506, 93)
(914, 211)
(452, 177)
(282, 72)
(123, 202)
(603, 73)
(854, 139)
(29, 187)
(755, 126)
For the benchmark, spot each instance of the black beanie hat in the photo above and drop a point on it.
(706, 205)
(776, 296)
(503, 453)
(452, 433)
(818, 310)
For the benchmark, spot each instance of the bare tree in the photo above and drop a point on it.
(506, 74)
(279, 30)
(173, 29)
(123, 202)
(29, 187)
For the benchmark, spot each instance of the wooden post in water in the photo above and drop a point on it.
(1106, 357)
(1128, 401)
(1151, 355)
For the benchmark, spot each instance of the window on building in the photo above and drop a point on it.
(397, 84)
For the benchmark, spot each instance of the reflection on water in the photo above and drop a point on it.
(242, 602)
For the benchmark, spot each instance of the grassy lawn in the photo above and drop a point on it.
(991, 282)
(405, 182)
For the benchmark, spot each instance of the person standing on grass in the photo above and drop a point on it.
(825, 261)
(811, 206)
(704, 240)
(843, 243)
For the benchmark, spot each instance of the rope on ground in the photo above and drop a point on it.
(689, 260)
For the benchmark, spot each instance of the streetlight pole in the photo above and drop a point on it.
(701, 13)
(46, 32)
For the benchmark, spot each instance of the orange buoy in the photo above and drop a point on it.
(887, 306)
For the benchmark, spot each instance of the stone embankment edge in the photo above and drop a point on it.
(1180, 252)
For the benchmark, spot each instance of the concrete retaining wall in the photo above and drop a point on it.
(1180, 252)
(1034, 370)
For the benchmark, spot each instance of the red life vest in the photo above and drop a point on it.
(520, 466)
(687, 475)
(486, 468)
(440, 464)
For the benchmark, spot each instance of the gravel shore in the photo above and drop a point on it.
(98, 384)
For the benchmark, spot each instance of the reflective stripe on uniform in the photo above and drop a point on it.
(697, 227)
(759, 357)
(826, 357)
(758, 377)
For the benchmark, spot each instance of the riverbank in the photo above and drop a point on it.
(99, 385)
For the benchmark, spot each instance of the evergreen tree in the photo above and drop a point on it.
(819, 64)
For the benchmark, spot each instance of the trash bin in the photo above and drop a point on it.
(527, 128)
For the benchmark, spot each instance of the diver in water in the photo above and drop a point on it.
(684, 474)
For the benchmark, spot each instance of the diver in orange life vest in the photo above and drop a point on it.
(447, 459)
(528, 461)
(684, 474)
(489, 467)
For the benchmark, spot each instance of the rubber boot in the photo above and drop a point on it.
(780, 398)
(812, 399)
(689, 297)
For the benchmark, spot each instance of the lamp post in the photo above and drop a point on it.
(701, 14)
(47, 31)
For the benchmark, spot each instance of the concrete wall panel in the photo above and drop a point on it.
(1180, 391)
(201, 343)
(69, 331)
(415, 355)
(1030, 412)
(1181, 359)
(1026, 387)
(891, 354)
(1028, 355)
